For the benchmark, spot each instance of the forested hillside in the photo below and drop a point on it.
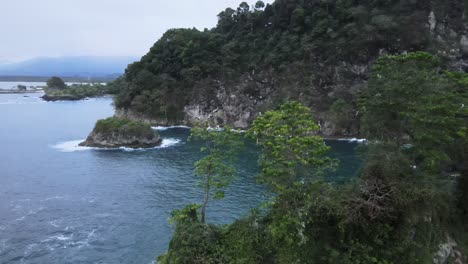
(316, 51)
(407, 204)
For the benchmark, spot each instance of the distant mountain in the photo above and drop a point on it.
(83, 66)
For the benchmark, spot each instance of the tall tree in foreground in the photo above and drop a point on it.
(289, 144)
(292, 156)
(216, 169)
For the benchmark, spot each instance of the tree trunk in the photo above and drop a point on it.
(205, 200)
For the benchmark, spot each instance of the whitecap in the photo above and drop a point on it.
(54, 223)
(162, 128)
(53, 198)
(21, 218)
(59, 237)
(63, 238)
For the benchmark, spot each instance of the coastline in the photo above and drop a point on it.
(5, 91)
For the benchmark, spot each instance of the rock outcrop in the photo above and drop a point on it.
(53, 98)
(115, 133)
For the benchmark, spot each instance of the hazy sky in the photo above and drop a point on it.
(49, 28)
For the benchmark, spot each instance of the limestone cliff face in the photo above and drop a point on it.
(238, 102)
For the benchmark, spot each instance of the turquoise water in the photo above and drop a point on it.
(60, 203)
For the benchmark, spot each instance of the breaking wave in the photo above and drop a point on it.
(163, 128)
(358, 140)
(73, 146)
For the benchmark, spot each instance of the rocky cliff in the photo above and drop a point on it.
(115, 133)
(316, 52)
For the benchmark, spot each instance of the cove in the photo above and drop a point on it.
(60, 203)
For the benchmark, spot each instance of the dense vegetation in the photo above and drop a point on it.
(57, 89)
(408, 198)
(129, 128)
(314, 51)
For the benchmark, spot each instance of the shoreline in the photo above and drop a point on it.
(5, 91)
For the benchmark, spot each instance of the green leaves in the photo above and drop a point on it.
(215, 171)
(290, 148)
(188, 213)
(408, 100)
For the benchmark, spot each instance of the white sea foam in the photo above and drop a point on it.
(53, 198)
(66, 240)
(29, 249)
(162, 128)
(217, 128)
(166, 142)
(63, 238)
(3, 245)
(358, 140)
(33, 212)
(83, 242)
(73, 146)
(59, 237)
(54, 223)
(169, 142)
(70, 146)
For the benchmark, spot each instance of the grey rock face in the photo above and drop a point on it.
(132, 115)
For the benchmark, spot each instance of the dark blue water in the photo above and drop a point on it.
(63, 204)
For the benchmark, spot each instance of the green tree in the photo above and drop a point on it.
(292, 156)
(259, 5)
(56, 83)
(243, 8)
(409, 101)
(216, 169)
(290, 146)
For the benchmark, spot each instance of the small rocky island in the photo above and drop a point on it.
(58, 90)
(115, 132)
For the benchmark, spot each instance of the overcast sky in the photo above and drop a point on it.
(51, 28)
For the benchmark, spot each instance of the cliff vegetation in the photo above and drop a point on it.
(317, 52)
(406, 205)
